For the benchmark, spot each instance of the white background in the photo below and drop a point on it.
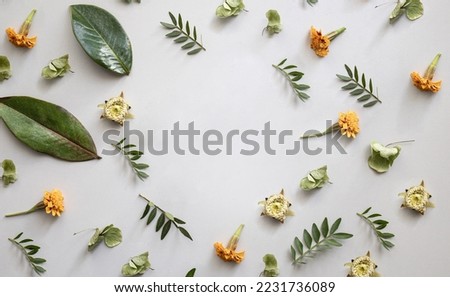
(233, 86)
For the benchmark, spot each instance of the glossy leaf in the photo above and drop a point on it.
(47, 128)
(102, 37)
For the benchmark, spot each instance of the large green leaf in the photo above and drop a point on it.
(47, 128)
(102, 38)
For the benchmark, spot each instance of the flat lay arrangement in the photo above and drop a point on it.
(98, 106)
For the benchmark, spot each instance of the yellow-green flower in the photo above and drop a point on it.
(116, 109)
(417, 198)
(277, 207)
(362, 267)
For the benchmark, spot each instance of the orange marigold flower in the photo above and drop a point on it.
(229, 253)
(320, 42)
(54, 202)
(425, 83)
(21, 38)
(349, 124)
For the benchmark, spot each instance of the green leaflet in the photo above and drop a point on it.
(230, 8)
(110, 234)
(312, 2)
(5, 68)
(271, 266)
(47, 128)
(274, 19)
(129, 1)
(9, 172)
(382, 157)
(315, 179)
(191, 273)
(56, 68)
(412, 8)
(102, 38)
(138, 265)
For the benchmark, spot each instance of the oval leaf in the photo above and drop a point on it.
(102, 38)
(47, 128)
(165, 229)
(113, 237)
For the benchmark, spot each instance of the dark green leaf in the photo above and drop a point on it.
(32, 252)
(172, 17)
(177, 220)
(289, 67)
(180, 22)
(188, 45)
(128, 146)
(343, 77)
(364, 98)
(191, 273)
(363, 80)
(367, 210)
(371, 103)
(120, 142)
(357, 92)
(315, 233)
(380, 227)
(146, 210)
(349, 86)
(385, 235)
(355, 74)
(181, 39)
(39, 269)
(139, 166)
(165, 229)
(370, 86)
(333, 242)
(167, 25)
(349, 71)
(38, 260)
(18, 236)
(302, 87)
(381, 222)
(335, 226)
(188, 29)
(374, 215)
(185, 233)
(195, 51)
(293, 253)
(47, 128)
(32, 247)
(282, 62)
(142, 175)
(26, 240)
(195, 33)
(160, 222)
(307, 239)
(324, 227)
(174, 33)
(135, 158)
(303, 95)
(152, 215)
(342, 235)
(388, 244)
(296, 73)
(298, 245)
(102, 38)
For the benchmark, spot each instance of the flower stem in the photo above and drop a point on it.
(335, 33)
(38, 206)
(432, 68)
(330, 129)
(27, 24)
(399, 142)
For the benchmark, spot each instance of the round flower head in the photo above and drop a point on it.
(116, 109)
(362, 267)
(320, 42)
(21, 38)
(277, 207)
(229, 253)
(349, 124)
(425, 83)
(54, 202)
(417, 198)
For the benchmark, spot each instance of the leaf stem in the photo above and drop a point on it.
(399, 142)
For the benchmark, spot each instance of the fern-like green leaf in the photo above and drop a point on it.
(293, 76)
(317, 240)
(358, 87)
(183, 33)
(377, 225)
(165, 220)
(132, 156)
(29, 250)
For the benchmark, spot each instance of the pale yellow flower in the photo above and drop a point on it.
(116, 109)
(349, 124)
(362, 267)
(417, 198)
(277, 207)
(54, 202)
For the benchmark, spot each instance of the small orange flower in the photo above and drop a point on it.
(320, 42)
(425, 83)
(349, 124)
(229, 253)
(21, 39)
(54, 202)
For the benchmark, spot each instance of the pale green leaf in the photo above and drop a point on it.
(414, 10)
(9, 172)
(95, 240)
(113, 237)
(5, 68)
(271, 266)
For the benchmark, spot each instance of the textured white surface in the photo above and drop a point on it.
(233, 86)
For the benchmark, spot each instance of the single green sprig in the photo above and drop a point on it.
(112, 236)
(165, 219)
(182, 34)
(293, 76)
(316, 241)
(29, 250)
(358, 87)
(132, 156)
(377, 225)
